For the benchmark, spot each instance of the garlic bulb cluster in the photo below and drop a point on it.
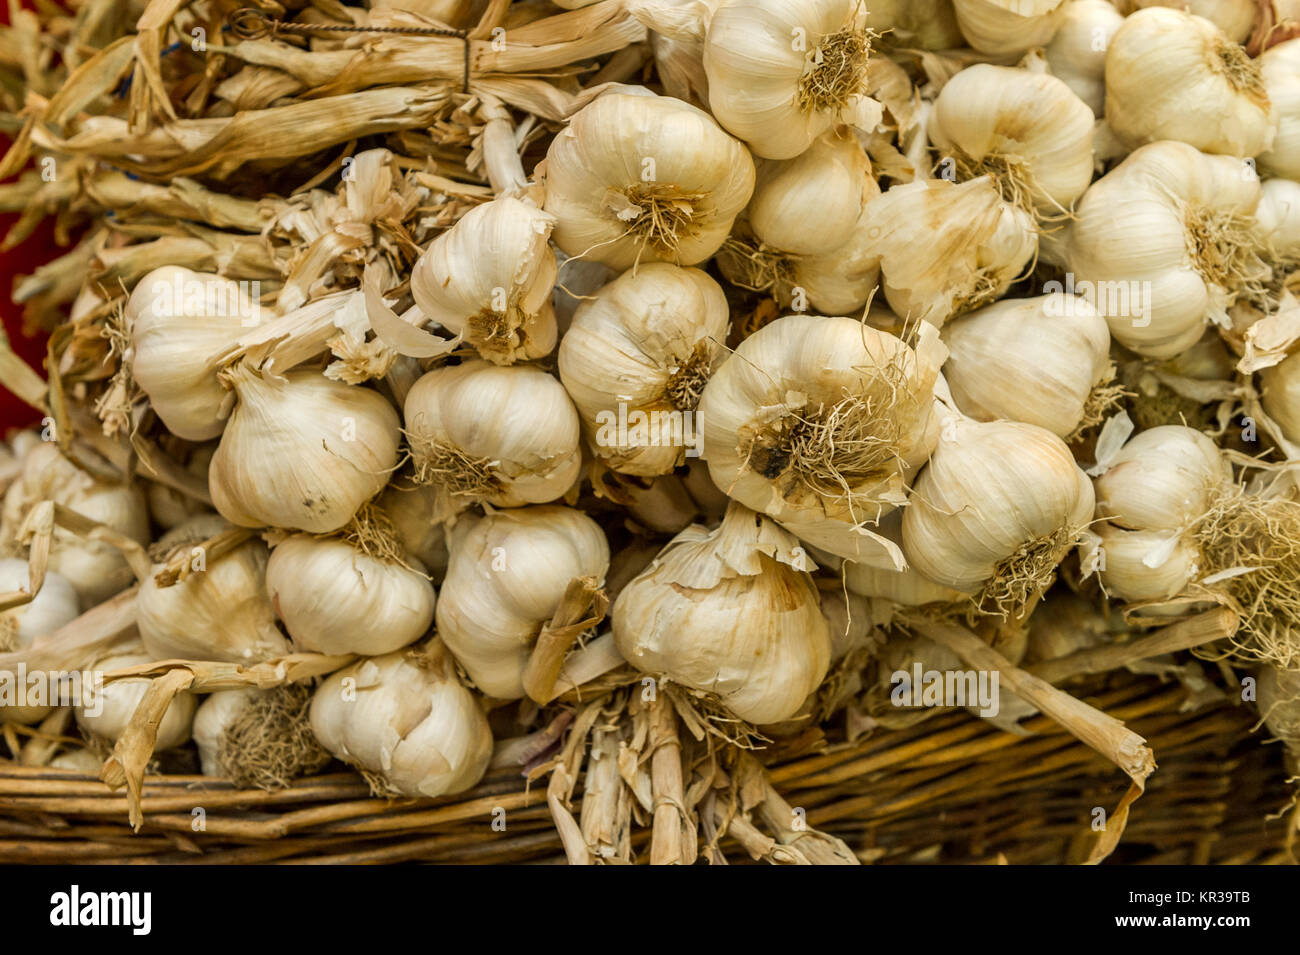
(355, 593)
(96, 570)
(1163, 243)
(819, 423)
(643, 178)
(108, 711)
(1077, 53)
(1044, 361)
(732, 612)
(1008, 26)
(1171, 75)
(995, 510)
(635, 361)
(782, 72)
(405, 720)
(505, 435)
(179, 321)
(489, 279)
(257, 738)
(1029, 130)
(220, 611)
(1235, 18)
(301, 452)
(506, 577)
(1280, 69)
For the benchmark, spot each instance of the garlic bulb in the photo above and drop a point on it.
(219, 612)
(1141, 565)
(1171, 75)
(169, 507)
(995, 510)
(489, 279)
(1077, 53)
(817, 422)
(95, 569)
(78, 760)
(1280, 393)
(732, 612)
(507, 435)
(1279, 705)
(257, 738)
(302, 452)
(947, 248)
(405, 720)
(1280, 68)
(1164, 242)
(414, 513)
(1064, 623)
(782, 72)
(918, 24)
(1162, 479)
(1044, 361)
(1028, 130)
(635, 360)
(178, 321)
(644, 178)
(54, 605)
(1008, 26)
(1234, 17)
(348, 594)
(505, 580)
(1278, 215)
(111, 707)
(907, 587)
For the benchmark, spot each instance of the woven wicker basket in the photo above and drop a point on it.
(952, 789)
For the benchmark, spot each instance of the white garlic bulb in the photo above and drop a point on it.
(108, 711)
(218, 612)
(918, 24)
(946, 248)
(337, 597)
(179, 320)
(1171, 75)
(1077, 53)
(1008, 26)
(732, 612)
(404, 719)
(642, 178)
(489, 280)
(782, 72)
(1280, 393)
(818, 421)
(506, 577)
(1043, 360)
(1280, 68)
(53, 605)
(635, 360)
(907, 587)
(1163, 243)
(414, 511)
(1163, 479)
(995, 510)
(1235, 18)
(302, 452)
(1278, 215)
(95, 569)
(257, 738)
(1141, 565)
(1028, 130)
(78, 760)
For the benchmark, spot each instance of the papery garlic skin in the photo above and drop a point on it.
(1077, 53)
(1278, 215)
(53, 605)
(919, 24)
(489, 279)
(1280, 393)
(946, 248)
(113, 705)
(1027, 129)
(1280, 67)
(407, 721)
(644, 345)
(989, 492)
(1163, 479)
(505, 579)
(219, 613)
(817, 422)
(1008, 26)
(1234, 17)
(95, 569)
(78, 760)
(415, 513)
(179, 321)
(627, 164)
(1147, 245)
(1171, 75)
(304, 452)
(169, 507)
(1142, 565)
(782, 72)
(505, 435)
(336, 599)
(731, 612)
(1035, 360)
